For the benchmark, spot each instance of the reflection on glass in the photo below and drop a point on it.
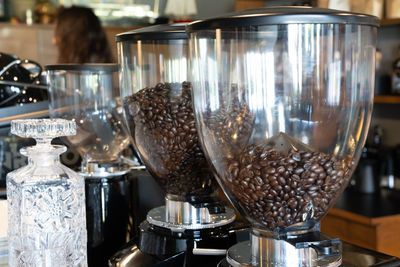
(90, 97)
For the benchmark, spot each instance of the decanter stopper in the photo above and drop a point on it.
(43, 130)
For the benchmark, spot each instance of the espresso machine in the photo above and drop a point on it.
(89, 95)
(194, 227)
(283, 99)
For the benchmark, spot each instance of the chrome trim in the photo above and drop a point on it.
(179, 212)
(262, 251)
(209, 251)
(157, 216)
(97, 170)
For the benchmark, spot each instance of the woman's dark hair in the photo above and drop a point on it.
(80, 38)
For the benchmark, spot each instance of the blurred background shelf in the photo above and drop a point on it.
(389, 22)
(387, 99)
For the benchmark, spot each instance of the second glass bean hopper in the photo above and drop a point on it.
(283, 99)
(157, 101)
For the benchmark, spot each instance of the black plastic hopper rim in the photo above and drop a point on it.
(156, 32)
(282, 15)
(108, 67)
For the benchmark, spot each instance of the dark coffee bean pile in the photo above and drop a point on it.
(162, 123)
(279, 190)
(232, 126)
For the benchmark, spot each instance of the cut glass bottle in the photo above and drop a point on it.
(46, 201)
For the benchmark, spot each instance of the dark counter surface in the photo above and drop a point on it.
(357, 256)
(384, 203)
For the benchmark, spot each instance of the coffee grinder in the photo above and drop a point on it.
(89, 95)
(283, 99)
(157, 101)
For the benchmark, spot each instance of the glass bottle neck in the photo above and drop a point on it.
(47, 160)
(43, 154)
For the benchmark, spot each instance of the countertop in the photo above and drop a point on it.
(367, 220)
(384, 203)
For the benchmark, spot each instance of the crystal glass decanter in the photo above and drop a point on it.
(46, 201)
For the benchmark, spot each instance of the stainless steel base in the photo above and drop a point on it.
(181, 212)
(93, 169)
(158, 217)
(261, 251)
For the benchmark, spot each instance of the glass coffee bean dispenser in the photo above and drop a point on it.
(283, 99)
(157, 101)
(88, 94)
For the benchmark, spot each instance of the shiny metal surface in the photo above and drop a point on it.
(94, 169)
(158, 216)
(179, 212)
(269, 251)
(261, 251)
(352, 256)
(239, 255)
(209, 251)
(131, 256)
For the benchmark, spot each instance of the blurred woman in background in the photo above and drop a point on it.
(80, 38)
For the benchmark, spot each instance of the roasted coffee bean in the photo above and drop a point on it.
(292, 203)
(162, 124)
(252, 187)
(258, 181)
(281, 169)
(299, 171)
(295, 178)
(288, 188)
(274, 183)
(277, 188)
(310, 180)
(296, 156)
(270, 196)
(281, 180)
